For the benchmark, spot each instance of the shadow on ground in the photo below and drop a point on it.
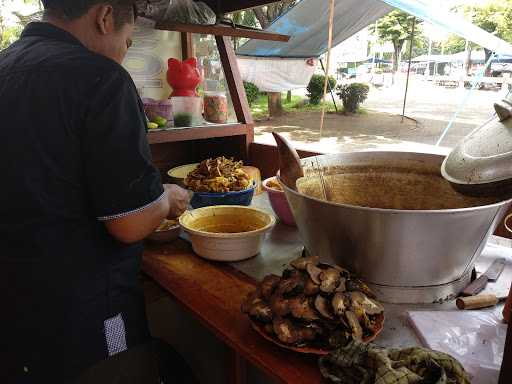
(369, 129)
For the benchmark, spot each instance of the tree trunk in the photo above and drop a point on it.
(262, 17)
(397, 48)
(275, 106)
(289, 97)
(488, 70)
(467, 64)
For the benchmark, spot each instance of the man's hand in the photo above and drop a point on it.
(178, 200)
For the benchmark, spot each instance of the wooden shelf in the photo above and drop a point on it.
(222, 30)
(196, 133)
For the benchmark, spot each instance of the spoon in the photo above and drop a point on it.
(290, 168)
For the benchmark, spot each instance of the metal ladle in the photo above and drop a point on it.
(481, 164)
(290, 167)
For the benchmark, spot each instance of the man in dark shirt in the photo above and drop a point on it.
(79, 192)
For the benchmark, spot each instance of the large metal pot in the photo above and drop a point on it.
(407, 255)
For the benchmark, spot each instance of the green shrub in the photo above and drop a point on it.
(251, 91)
(316, 88)
(352, 95)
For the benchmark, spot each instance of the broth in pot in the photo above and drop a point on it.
(386, 188)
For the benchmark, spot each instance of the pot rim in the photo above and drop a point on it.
(396, 211)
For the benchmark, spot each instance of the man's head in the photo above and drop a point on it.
(103, 26)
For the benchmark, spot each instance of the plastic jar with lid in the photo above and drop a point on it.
(215, 107)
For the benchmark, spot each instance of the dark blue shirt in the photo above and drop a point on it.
(73, 152)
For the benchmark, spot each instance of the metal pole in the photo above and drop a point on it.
(329, 85)
(409, 67)
(427, 70)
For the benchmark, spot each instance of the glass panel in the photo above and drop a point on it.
(147, 62)
(210, 66)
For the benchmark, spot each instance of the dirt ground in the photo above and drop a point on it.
(429, 110)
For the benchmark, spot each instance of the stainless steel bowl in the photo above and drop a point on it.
(407, 255)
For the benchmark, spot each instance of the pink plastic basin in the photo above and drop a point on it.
(279, 204)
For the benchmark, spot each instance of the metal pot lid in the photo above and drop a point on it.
(485, 155)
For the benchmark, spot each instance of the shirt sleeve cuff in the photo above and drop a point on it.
(133, 211)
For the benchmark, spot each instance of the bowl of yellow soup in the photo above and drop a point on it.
(227, 232)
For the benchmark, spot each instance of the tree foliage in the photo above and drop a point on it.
(494, 17)
(396, 27)
(10, 33)
(352, 95)
(315, 88)
(268, 13)
(251, 91)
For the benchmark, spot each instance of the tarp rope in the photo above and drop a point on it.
(327, 64)
(466, 98)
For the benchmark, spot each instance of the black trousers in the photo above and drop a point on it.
(155, 362)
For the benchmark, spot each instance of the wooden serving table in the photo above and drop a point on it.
(213, 292)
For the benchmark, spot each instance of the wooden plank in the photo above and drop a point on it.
(227, 6)
(213, 293)
(222, 30)
(187, 46)
(234, 80)
(236, 367)
(195, 133)
(506, 365)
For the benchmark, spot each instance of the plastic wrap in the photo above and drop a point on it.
(177, 11)
(475, 338)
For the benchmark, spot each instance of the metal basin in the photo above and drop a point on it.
(417, 239)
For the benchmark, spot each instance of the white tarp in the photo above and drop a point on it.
(276, 75)
(307, 21)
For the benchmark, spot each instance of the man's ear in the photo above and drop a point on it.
(105, 18)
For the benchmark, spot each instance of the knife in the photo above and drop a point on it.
(492, 274)
(479, 301)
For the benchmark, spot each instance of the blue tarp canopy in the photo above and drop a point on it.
(377, 60)
(307, 24)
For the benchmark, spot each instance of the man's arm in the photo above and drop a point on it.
(136, 226)
(123, 185)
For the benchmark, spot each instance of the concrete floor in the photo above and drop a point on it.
(429, 108)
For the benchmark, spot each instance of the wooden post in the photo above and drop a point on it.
(187, 45)
(234, 80)
(236, 90)
(506, 365)
(275, 106)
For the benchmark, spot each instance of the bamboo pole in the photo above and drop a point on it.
(408, 68)
(328, 61)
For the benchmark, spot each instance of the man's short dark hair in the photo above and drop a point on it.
(124, 10)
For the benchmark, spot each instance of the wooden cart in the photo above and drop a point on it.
(175, 147)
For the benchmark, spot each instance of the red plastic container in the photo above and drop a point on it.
(279, 204)
(183, 77)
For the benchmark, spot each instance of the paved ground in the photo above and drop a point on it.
(430, 109)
